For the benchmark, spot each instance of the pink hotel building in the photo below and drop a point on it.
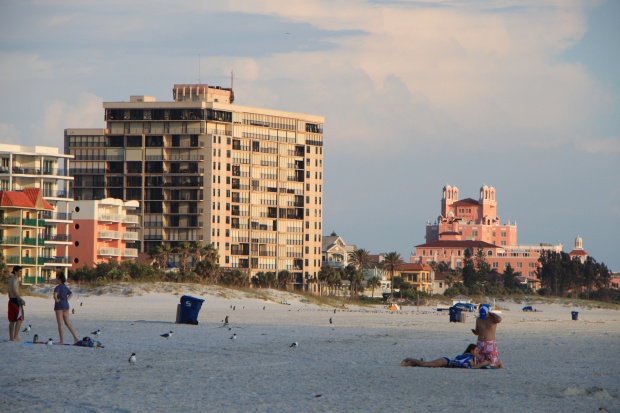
(469, 224)
(100, 231)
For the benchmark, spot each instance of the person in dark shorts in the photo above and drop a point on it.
(62, 294)
(16, 304)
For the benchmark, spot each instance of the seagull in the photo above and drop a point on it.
(132, 359)
(167, 335)
(295, 344)
(96, 333)
(27, 329)
(330, 320)
(234, 337)
(49, 343)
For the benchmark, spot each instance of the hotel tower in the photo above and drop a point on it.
(247, 180)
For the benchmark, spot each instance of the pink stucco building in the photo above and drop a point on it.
(470, 224)
(101, 231)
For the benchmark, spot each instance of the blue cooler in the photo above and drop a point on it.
(187, 311)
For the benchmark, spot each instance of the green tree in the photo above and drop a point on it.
(373, 283)
(468, 271)
(482, 266)
(284, 277)
(361, 259)
(184, 250)
(392, 262)
(510, 278)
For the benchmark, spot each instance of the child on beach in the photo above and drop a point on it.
(465, 360)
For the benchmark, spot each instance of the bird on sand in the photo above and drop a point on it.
(234, 337)
(167, 335)
(49, 343)
(27, 329)
(295, 344)
(96, 333)
(132, 359)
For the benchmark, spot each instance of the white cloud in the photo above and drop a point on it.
(9, 134)
(605, 146)
(59, 115)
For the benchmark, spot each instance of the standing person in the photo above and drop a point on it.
(16, 304)
(62, 294)
(486, 324)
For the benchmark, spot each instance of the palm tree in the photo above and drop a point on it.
(183, 249)
(361, 259)
(372, 283)
(392, 262)
(160, 254)
(284, 277)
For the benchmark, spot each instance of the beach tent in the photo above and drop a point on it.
(393, 307)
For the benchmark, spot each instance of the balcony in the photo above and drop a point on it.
(59, 216)
(57, 260)
(107, 234)
(10, 241)
(10, 221)
(130, 252)
(50, 193)
(58, 238)
(106, 251)
(33, 241)
(30, 222)
(131, 219)
(130, 236)
(110, 217)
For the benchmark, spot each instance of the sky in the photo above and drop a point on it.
(521, 95)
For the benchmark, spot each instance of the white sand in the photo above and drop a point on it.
(553, 363)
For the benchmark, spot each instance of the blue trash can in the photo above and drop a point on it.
(188, 310)
(455, 314)
(575, 314)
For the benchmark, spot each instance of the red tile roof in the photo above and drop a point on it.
(577, 252)
(457, 244)
(30, 198)
(415, 267)
(466, 201)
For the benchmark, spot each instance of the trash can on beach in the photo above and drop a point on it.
(187, 311)
(455, 314)
(575, 314)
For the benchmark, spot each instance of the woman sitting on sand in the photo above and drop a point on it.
(465, 360)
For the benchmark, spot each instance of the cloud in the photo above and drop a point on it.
(85, 113)
(9, 134)
(606, 146)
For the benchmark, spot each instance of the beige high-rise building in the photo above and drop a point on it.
(247, 180)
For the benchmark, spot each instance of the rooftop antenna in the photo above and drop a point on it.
(199, 69)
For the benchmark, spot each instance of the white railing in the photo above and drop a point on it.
(110, 217)
(110, 234)
(130, 252)
(130, 236)
(131, 219)
(109, 251)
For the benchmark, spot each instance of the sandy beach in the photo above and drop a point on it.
(552, 362)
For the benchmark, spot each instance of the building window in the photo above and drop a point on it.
(495, 264)
(519, 264)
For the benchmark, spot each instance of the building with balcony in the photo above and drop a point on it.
(22, 230)
(47, 169)
(102, 231)
(469, 225)
(335, 252)
(247, 180)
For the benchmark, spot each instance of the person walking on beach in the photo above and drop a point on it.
(486, 324)
(62, 294)
(16, 304)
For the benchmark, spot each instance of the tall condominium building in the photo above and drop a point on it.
(47, 169)
(247, 180)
